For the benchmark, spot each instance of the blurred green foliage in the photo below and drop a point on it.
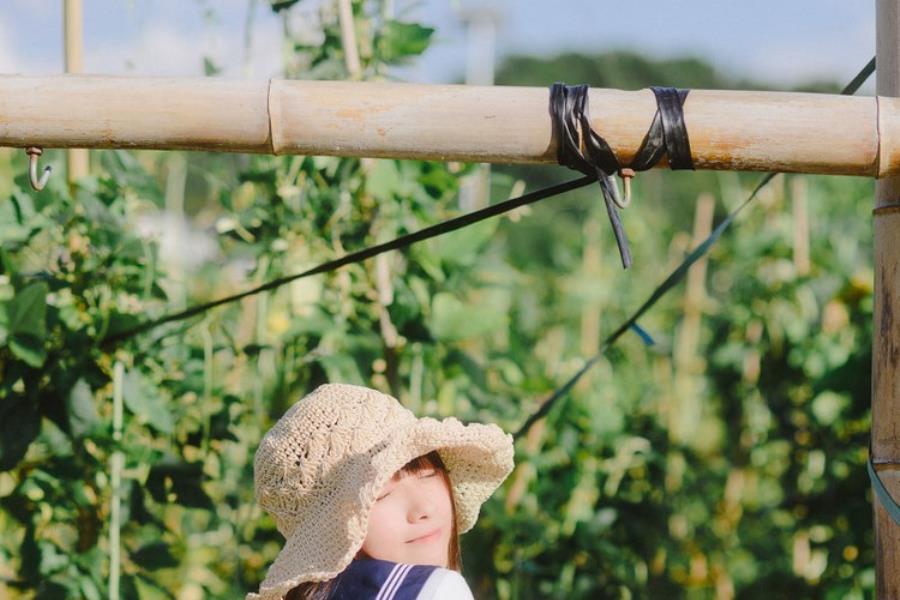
(725, 461)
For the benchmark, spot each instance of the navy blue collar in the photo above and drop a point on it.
(373, 579)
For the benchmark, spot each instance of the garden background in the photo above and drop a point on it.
(726, 460)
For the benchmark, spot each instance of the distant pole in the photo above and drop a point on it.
(886, 331)
(481, 27)
(348, 39)
(76, 158)
(249, 17)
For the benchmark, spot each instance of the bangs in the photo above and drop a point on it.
(432, 460)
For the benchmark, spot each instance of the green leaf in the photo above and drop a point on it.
(53, 589)
(454, 320)
(89, 589)
(147, 589)
(81, 410)
(463, 247)
(20, 423)
(384, 180)
(143, 399)
(401, 40)
(17, 219)
(182, 479)
(155, 555)
(119, 322)
(828, 405)
(4, 326)
(342, 367)
(26, 316)
(280, 5)
(210, 68)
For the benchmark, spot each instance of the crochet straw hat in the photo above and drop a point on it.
(318, 470)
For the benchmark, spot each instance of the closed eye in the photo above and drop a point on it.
(431, 473)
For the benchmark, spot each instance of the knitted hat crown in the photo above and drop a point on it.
(299, 458)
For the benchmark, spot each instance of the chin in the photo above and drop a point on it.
(437, 561)
(432, 556)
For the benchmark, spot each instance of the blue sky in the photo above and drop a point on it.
(784, 41)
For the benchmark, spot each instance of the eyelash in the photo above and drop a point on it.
(430, 474)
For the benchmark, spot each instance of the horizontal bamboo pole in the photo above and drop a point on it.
(729, 130)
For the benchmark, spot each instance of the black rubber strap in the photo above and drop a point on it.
(669, 107)
(667, 135)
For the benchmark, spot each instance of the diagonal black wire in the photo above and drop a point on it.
(668, 283)
(360, 255)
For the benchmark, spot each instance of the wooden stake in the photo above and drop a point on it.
(799, 193)
(77, 160)
(684, 417)
(591, 267)
(886, 331)
(117, 464)
(729, 130)
(348, 39)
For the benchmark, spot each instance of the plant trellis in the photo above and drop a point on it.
(729, 130)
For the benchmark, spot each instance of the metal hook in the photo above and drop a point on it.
(626, 174)
(34, 153)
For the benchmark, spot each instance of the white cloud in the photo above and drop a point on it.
(24, 59)
(814, 57)
(162, 49)
(8, 61)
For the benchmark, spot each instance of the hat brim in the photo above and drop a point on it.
(478, 458)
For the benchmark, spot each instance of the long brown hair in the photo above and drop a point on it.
(321, 590)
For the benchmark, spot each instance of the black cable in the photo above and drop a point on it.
(668, 283)
(397, 243)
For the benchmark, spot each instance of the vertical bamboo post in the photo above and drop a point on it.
(76, 158)
(886, 331)
(117, 462)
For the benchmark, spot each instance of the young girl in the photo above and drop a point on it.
(371, 499)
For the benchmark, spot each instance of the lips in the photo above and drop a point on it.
(431, 536)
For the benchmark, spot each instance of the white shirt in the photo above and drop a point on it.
(444, 584)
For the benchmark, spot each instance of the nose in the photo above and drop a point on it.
(421, 508)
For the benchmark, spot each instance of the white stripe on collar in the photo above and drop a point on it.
(392, 583)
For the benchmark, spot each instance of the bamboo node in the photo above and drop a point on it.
(887, 209)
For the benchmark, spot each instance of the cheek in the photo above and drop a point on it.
(382, 525)
(445, 496)
(441, 496)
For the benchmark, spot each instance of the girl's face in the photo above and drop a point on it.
(412, 519)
